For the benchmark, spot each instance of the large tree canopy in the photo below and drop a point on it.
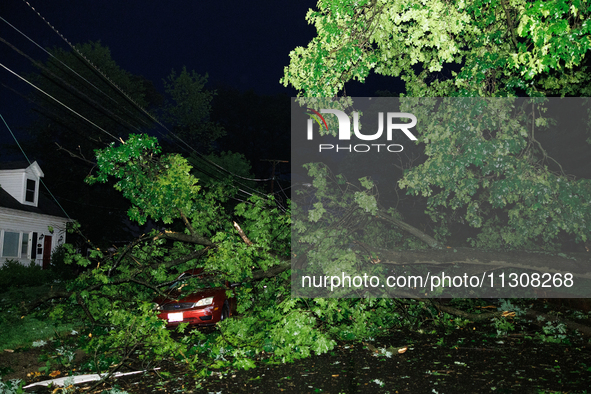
(188, 109)
(246, 242)
(487, 164)
(495, 176)
(446, 48)
(86, 101)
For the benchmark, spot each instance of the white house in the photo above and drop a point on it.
(31, 225)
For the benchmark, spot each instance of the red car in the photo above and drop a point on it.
(205, 307)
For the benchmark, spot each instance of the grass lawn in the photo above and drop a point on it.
(21, 331)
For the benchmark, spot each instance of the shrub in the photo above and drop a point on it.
(15, 274)
(58, 266)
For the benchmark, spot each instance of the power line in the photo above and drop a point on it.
(75, 91)
(133, 102)
(59, 102)
(76, 51)
(84, 118)
(29, 161)
(57, 59)
(137, 105)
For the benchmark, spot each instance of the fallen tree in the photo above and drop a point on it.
(495, 177)
(244, 242)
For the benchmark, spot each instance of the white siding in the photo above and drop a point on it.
(15, 182)
(28, 222)
(12, 182)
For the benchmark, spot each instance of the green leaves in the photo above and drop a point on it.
(158, 187)
(481, 165)
(495, 44)
(189, 108)
(316, 213)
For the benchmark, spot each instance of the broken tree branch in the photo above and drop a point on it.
(432, 242)
(242, 235)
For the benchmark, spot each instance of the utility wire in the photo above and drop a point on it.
(59, 102)
(58, 60)
(29, 161)
(135, 104)
(48, 95)
(76, 51)
(75, 91)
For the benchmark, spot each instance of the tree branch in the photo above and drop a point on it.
(187, 224)
(476, 261)
(432, 242)
(271, 272)
(510, 24)
(585, 330)
(194, 239)
(53, 294)
(242, 235)
(80, 302)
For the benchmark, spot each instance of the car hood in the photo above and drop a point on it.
(192, 297)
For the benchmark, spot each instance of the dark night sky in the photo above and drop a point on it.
(244, 44)
(240, 44)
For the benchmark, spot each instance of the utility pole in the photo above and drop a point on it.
(273, 170)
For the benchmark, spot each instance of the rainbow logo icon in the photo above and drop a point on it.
(317, 117)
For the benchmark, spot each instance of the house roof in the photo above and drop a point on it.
(22, 165)
(45, 205)
(14, 165)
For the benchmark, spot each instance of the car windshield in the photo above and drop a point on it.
(179, 283)
(183, 279)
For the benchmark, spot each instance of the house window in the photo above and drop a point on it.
(15, 245)
(25, 245)
(30, 191)
(10, 244)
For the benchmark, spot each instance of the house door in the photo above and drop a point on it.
(46, 251)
